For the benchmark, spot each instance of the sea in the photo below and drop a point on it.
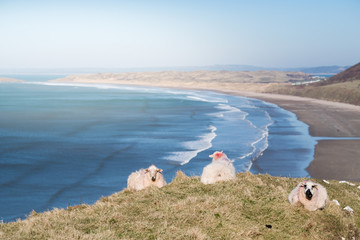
(64, 144)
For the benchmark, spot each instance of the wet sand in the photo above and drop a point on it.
(337, 159)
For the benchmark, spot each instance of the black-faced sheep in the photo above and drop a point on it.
(312, 195)
(152, 176)
(221, 169)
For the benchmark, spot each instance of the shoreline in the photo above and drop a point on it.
(9, 80)
(334, 159)
(324, 118)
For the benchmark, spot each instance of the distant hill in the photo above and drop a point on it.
(324, 70)
(350, 74)
(343, 87)
(318, 70)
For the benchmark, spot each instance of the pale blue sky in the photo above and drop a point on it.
(126, 34)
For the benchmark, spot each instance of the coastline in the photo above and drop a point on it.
(324, 118)
(333, 159)
(9, 80)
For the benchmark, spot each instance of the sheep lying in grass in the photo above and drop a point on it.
(144, 178)
(221, 169)
(313, 196)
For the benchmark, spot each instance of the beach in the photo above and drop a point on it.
(9, 80)
(333, 159)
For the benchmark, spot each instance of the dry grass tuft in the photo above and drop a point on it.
(249, 207)
(180, 177)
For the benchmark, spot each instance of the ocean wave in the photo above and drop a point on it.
(237, 113)
(228, 109)
(193, 148)
(206, 98)
(90, 85)
(182, 94)
(257, 147)
(195, 95)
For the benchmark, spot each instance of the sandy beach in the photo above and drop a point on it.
(9, 80)
(334, 159)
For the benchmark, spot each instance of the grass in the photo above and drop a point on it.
(347, 92)
(244, 208)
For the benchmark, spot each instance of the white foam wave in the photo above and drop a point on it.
(193, 148)
(260, 144)
(217, 115)
(89, 85)
(180, 93)
(205, 98)
(257, 152)
(227, 109)
(182, 157)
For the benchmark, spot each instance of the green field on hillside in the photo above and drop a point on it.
(346, 92)
(249, 207)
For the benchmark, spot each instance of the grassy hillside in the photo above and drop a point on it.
(250, 207)
(343, 87)
(347, 92)
(350, 74)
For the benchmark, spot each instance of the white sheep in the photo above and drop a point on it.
(313, 196)
(152, 176)
(221, 169)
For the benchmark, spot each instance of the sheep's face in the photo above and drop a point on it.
(309, 189)
(153, 172)
(217, 155)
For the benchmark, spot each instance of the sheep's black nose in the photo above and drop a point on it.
(308, 194)
(153, 179)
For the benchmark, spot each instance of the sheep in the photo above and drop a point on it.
(220, 169)
(313, 196)
(152, 176)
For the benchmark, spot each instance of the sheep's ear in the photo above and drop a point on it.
(147, 170)
(159, 170)
(316, 186)
(303, 184)
(212, 155)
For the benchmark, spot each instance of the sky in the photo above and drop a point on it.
(154, 33)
